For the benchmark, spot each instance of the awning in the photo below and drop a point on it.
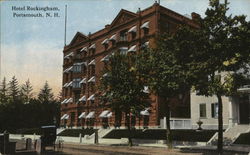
(70, 84)
(92, 62)
(65, 85)
(64, 101)
(67, 56)
(83, 99)
(109, 115)
(92, 97)
(70, 100)
(113, 37)
(123, 48)
(146, 90)
(83, 115)
(84, 49)
(132, 49)
(92, 79)
(105, 41)
(132, 29)
(66, 117)
(145, 112)
(63, 117)
(104, 114)
(92, 46)
(80, 63)
(145, 25)
(68, 69)
(83, 81)
(145, 44)
(105, 75)
(106, 58)
(91, 115)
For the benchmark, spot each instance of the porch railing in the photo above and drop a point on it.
(177, 123)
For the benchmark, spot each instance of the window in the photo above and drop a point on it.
(146, 31)
(76, 83)
(203, 110)
(77, 97)
(72, 118)
(123, 50)
(77, 68)
(123, 35)
(214, 110)
(133, 35)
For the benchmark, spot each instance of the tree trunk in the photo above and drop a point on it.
(220, 126)
(168, 131)
(129, 129)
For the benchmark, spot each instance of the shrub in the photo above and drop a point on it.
(244, 138)
(160, 134)
(76, 132)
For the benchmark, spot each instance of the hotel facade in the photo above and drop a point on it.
(86, 55)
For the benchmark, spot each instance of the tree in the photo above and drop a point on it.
(3, 92)
(45, 95)
(13, 89)
(123, 87)
(227, 49)
(170, 68)
(26, 91)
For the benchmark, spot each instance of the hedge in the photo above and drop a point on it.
(76, 132)
(244, 139)
(160, 134)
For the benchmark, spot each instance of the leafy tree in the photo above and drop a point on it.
(45, 95)
(123, 87)
(26, 91)
(13, 90)
(170, 69)
(227, 49)
(3, 92)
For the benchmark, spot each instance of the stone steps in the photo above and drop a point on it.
(230, 135)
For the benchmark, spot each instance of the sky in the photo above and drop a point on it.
(31, 47)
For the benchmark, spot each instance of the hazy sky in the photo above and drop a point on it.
(31, 47)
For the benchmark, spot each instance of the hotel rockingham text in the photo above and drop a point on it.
(35, 11)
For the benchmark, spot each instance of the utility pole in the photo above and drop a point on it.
(65, 25)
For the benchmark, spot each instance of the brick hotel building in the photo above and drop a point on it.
(86, 55)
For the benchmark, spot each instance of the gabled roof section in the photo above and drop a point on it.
(122, 17)
(79, 37)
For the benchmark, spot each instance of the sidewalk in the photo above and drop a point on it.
(237, 149)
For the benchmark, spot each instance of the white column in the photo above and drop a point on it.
(230, 119)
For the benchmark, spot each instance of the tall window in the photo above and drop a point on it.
(123, 35)
(203, 110)
(77, 97)
(76, 83)
(214, 110)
